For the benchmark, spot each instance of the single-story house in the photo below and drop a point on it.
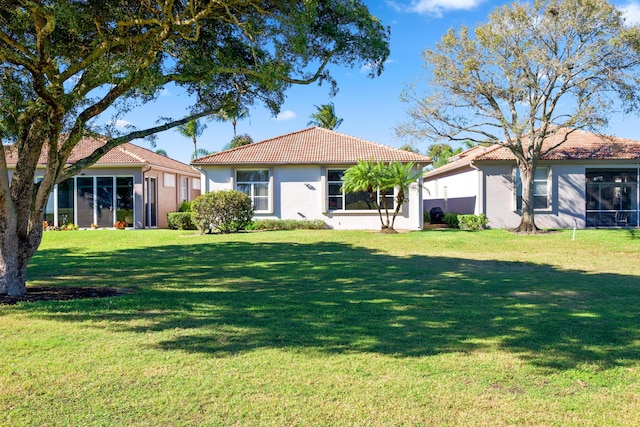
(588, 181)
(129, 183)
(299, 176)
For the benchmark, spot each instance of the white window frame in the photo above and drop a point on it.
(169, 179)
(184, 189)
(343, 196)
(517, 188)
(252, 187)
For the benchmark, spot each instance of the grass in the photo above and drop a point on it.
(328, 328)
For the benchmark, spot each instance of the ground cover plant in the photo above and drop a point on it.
(325, 327)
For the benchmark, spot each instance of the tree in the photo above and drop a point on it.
(325, 117)
(240, 140)
(162, 152)
(192, 129)
(232, 112)
(65, 64)
(399, 176)
(440, 153)
(376, 177)
(533, 70)
(366, 176)
(200, 152)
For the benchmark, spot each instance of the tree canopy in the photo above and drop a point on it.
(66, 64)
(531, 70)
(325, 117)
(192, 129)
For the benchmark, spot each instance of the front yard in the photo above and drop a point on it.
(441, 327)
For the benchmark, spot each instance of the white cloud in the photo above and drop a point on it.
(631, 13)
(122, 124)
(438, 7)
(285, 115)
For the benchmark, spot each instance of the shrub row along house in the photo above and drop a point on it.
(129, 184)
(589, 181)
(299, 176)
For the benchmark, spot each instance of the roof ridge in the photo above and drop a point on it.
(129, 153)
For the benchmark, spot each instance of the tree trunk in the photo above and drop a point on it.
(527, 221)
(15, 254)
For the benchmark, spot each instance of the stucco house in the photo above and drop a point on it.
(299, 176)
(589, 181)
(129, 183)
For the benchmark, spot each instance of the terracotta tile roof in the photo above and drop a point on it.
(123, 155)
(461, 160)
(311, 146)
(580, 145)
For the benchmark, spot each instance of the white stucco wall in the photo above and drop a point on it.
(300, 193)
(456, 192)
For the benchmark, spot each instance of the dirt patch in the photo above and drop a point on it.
(55, 293)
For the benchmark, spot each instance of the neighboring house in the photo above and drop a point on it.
(298, 176)
(129, 183)
(589, 181)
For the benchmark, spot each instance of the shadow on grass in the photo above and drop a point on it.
(226, 298)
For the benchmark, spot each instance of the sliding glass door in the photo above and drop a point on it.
(86, 200)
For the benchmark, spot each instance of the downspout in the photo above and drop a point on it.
(480, 202)
(145, 208)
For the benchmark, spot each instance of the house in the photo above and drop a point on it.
(299, 176)
(588, 181)
(129, 183)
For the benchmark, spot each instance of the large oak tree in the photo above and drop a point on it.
(532, 70)
(64, 64)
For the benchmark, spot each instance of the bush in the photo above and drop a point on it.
(451, 219)
(226, 210)
(288, 224)
(180, 221)
(185, 206)
(472, 222)
(426, 217)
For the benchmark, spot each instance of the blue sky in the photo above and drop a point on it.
(371, 108)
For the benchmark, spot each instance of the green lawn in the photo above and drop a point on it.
(328, 328)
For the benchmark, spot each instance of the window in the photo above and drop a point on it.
(339, 200)
(169, 180)
(540, 189)
(184, 189)
(255, 183)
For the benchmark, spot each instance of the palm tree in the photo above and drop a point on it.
(325, 117)
(200, 152)
(231, 113)
(366, 176)
(399, 176)
(192, 129)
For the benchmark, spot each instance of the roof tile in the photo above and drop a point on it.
(311, 146)
(125, 154)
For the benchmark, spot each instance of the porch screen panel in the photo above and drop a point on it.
(85, 200)
(65, 203)
(104, 201)
(124, 200)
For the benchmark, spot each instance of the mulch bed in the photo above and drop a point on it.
(55, 293)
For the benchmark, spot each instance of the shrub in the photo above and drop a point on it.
(226, 210)
(451, 219)
(185, 206)
(180, 221)
(472, 222)
(288, 224)
(426, 217)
